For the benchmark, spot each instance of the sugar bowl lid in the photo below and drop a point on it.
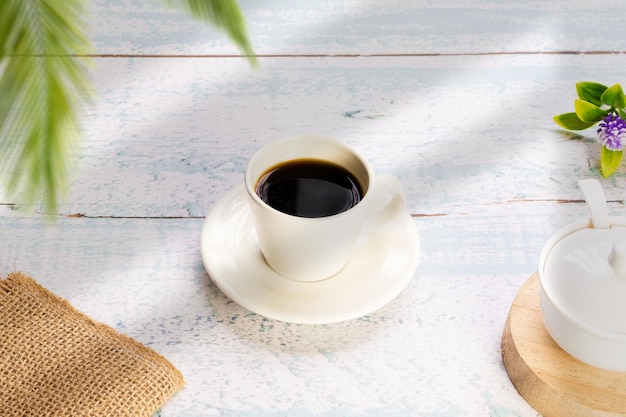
(583, 267)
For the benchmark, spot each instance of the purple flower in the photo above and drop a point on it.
(610, 132)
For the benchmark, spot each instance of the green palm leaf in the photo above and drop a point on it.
(223, 14)
(43, 83)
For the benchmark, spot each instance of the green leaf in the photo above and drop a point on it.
(223, 14)
(609, 161)
(590, 91)
(571, 121)
(614, 97)
(588, 112)
(43, 84)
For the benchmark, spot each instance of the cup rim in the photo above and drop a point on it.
(249, 185)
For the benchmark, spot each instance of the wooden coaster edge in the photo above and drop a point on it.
(538, 386)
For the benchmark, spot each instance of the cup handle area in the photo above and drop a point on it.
(389, 199)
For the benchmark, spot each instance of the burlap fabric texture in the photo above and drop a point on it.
(56, 361)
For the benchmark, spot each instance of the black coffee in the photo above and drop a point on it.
(309, 188)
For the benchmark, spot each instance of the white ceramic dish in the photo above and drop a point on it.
(583, 285)
(384, 261)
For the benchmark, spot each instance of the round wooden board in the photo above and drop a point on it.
(549, 379)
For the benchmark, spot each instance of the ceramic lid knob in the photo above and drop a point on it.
(618, 259)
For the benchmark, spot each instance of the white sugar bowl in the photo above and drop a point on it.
(582, 271)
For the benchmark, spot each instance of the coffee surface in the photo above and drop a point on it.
(309, 188)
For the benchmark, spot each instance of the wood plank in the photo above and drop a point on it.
(145, 278)
(167, 137)
(297, 27)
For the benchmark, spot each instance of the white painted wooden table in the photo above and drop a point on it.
(455, 98)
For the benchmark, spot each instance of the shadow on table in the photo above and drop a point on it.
(290, 337)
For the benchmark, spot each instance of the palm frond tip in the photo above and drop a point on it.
(43, 84)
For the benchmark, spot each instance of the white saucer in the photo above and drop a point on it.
(384, 261)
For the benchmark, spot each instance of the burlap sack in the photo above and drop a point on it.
(55, 361)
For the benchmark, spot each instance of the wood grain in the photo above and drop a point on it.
(362, 28)
(551, 380)
(169, 136)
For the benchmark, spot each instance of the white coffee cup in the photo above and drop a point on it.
(312, 249)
